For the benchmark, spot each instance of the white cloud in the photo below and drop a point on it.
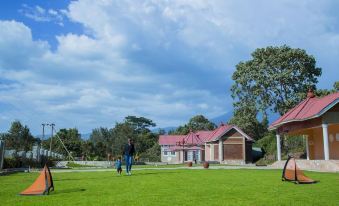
(166, 60)
(41, 14)
(87, 79)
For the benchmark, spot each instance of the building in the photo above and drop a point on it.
(231, 142)
(317, 119)
(228, 144)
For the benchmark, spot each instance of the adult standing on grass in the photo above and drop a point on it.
(129, 152)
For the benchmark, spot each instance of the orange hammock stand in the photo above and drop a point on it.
(42, 185)
(292, 173)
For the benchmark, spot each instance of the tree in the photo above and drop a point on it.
(88, 150)
(121, 132)
(112, 141)
(153, 153)
(245, 117)
(71, 139)
(19, 137)
(199, 122)
(274, 77)
(181, 130)
(336, 86)
(324, 92)
(196, 123)
(141, 124)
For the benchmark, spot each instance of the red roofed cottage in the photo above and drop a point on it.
(231, 142)
(318, 120)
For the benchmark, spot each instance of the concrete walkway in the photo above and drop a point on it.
(161, 168)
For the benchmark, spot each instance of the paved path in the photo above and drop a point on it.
(164, 168)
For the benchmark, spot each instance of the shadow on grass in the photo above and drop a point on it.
(71, 190)
(70, 179)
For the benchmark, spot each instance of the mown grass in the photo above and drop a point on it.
(174, 187)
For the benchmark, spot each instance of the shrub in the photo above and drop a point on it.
(17, 162)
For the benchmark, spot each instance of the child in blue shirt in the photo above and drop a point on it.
(118, 166)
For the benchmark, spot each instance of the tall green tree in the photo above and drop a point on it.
(71, 139)
(199, 122)
(196, 123)
(324, 92)
(245, 117)
(19, 137)
(274, 78)
(140, 124)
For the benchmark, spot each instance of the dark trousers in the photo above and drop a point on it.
(119, 170)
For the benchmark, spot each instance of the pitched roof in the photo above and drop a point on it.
(200, 137)
(222, 130)
(170, 139)
(311, 107)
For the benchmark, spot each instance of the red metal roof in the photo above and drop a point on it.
(200, 137)
(170, 139)
(311, 107)
(223, 129)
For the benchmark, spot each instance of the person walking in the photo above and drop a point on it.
(129, 152)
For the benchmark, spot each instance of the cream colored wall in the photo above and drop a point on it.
(315, 141)
(316, 144)
(207, 152)
(171, 159)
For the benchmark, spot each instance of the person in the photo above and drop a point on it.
(129, 152)
(118, 166)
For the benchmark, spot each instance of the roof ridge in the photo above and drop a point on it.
(305, 103)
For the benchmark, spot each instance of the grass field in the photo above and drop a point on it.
(174, 187)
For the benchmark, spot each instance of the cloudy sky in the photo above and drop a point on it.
(89, 63)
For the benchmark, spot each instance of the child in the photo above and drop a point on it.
(118, 166)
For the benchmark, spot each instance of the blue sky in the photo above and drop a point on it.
(88, 63)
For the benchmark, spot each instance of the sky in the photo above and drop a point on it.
(87, 64)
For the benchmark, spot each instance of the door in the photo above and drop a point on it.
(233, 152)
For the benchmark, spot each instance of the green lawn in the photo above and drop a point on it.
(174, 187)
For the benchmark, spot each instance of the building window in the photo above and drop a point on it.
(173, 153)
(165, 153)
(189, 155)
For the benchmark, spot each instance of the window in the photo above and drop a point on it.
(165, 153)
(173, 153)
(189, 155)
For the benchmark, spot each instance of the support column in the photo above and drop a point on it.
(204, 151)
(212, 152)
(325, 139)
(220, 151)
(307, 147)
(2, 153)
(278, 147)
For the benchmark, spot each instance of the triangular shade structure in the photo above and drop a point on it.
(292, 172)
(42, 185)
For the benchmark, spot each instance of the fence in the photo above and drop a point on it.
(36, 155)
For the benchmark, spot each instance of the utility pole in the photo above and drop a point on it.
(50, 145)
(43, 131)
